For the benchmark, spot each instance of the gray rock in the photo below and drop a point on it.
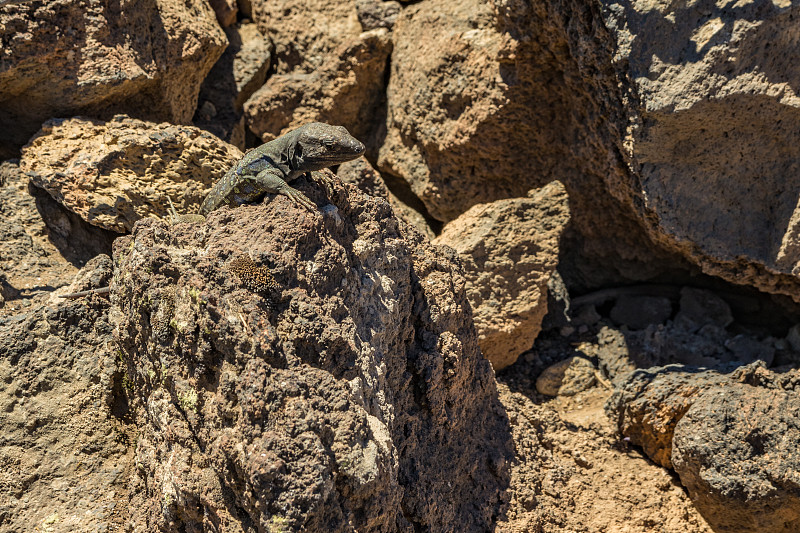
(714, 103)
(699, 307)
(730, 433)
(65, 446)
(638, 312)
(746, 349)
(352, 396)
(567, 377)
(374, 14)
(736, 452)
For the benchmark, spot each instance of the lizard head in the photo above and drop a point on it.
(321, 145)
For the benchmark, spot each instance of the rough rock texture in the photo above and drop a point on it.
(240, 71)
(328, 67)
(347, 89)
(572, 473)
(374, 14)
(509, 249)
(714, 106)
(729, 434)
(354, 398)
(649, 404)
(488, 99)
(225, 10)
(29, 261)
(567, 378)
(64, 58)
(65, 452)
(41, 243)
(306, 32)
(697, 335)
(114, 173)
(360, 173)
(736, 452)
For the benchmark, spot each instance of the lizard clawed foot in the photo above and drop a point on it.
(298, 198)
(327, 178)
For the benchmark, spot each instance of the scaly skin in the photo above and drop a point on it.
(269, 168)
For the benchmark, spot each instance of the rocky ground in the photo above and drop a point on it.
(559, 293)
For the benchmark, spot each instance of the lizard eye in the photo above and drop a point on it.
(327, 141)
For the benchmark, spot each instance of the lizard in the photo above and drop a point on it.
(268, 169)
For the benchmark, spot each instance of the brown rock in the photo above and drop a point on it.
(736, 452)
(65, 449)
(567, 377)
(649, 403)
(225, 10)
(306, 32)
(714, 106)
(488, 99)
(355, 398)
(327, 68)
(509, 249)
(240, 71)
(144, 58)
(114, 173)
(29, 260)
(360, 173)
(346, 90)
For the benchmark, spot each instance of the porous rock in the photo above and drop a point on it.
(360, 173)
(347, 89)
(240, 71)
(61, 58)
(225, 11)
(114, 173)
(648, 404)
(306, 32)
(714, 106)
(28, 257)
(356, 399)
(567, 377)
(509, 249)
(327, 68)
(736, 453)
(64, 445)
(488, 99)
(374, 14)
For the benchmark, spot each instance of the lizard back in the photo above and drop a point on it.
(235, 188)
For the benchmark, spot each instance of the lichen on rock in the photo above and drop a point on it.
(360, 400)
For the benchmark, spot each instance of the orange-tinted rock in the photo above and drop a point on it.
(114, 173)
(509, 249)
(328, 67)
(146, 58)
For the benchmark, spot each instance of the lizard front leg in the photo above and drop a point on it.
(327, 177)
(270, 180)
